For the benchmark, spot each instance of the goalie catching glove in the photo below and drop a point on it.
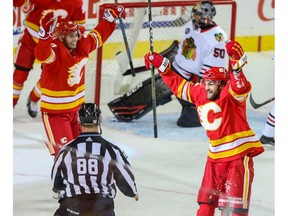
(114, 13)
(158, 61)
(46, 24)
(237, 57)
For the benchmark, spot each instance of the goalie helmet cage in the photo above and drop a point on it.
(168, 21)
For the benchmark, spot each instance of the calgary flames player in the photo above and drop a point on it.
(220, 100)
(24, 56)
(63, 75)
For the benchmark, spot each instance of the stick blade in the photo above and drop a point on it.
(257, 105)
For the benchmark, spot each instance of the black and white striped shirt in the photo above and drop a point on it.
(91, 165)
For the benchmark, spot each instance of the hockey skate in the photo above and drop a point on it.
(32, 108)
(267, 140)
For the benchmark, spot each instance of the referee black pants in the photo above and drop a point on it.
(86, 205)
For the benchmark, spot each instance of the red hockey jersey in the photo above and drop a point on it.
(63, 9)
(63, 73)
(225, 121)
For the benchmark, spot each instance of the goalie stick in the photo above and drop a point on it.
(257, 105)
(126, 44)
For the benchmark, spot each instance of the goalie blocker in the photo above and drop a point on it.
(138, 101)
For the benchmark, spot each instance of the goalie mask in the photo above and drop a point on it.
(203, 13)
(90, 114)
(66, 27)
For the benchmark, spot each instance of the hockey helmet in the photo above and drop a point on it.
(205, 11)
(216, 73)
(90, 114)
(65, 27)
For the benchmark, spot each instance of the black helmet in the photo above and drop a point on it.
(89, 114)
(205, 10)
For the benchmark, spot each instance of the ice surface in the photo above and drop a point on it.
(168, 169)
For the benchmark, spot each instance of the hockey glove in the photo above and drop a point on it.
(158, 61)
(46, 23)
(112, 14)
(237, 57)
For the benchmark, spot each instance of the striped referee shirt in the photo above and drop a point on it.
(90, 164)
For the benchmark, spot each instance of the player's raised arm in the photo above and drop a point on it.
(42, 51)
(237, 59)
(101, 32)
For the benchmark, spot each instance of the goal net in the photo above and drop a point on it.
(104, 79)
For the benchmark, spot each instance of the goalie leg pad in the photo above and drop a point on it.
(189, 116)
(138, 101)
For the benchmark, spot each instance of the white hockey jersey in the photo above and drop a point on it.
(199, 50)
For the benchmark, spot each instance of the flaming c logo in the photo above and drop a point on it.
(261, 10)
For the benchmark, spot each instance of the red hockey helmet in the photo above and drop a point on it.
(65, 27)
(216, 73)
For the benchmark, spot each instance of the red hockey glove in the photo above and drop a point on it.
(45, 24)
(112, 14)
(158, 61)
(236, 54)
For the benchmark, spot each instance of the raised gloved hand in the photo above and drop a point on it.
(45, 24)
(158, 61)
(112, 14)
(237, 57)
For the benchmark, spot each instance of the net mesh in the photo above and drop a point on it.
(168, 21)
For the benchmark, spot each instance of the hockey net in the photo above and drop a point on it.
(104, 79)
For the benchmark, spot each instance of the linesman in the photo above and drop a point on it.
(87, 170)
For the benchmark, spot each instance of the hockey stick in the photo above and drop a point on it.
(257, 105)
(153, 90)
(126, 43)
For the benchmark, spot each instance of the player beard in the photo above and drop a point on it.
(211, 95)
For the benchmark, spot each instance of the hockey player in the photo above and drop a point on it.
(87, 170)
(202, 47)
(63, 75)
(24, 56)
(220, 100)
(269, 129)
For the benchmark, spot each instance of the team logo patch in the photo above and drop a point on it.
(189, 48)
(219, 37)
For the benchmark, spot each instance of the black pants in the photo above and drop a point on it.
(86, 205)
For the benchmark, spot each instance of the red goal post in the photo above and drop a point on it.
(168, 20)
